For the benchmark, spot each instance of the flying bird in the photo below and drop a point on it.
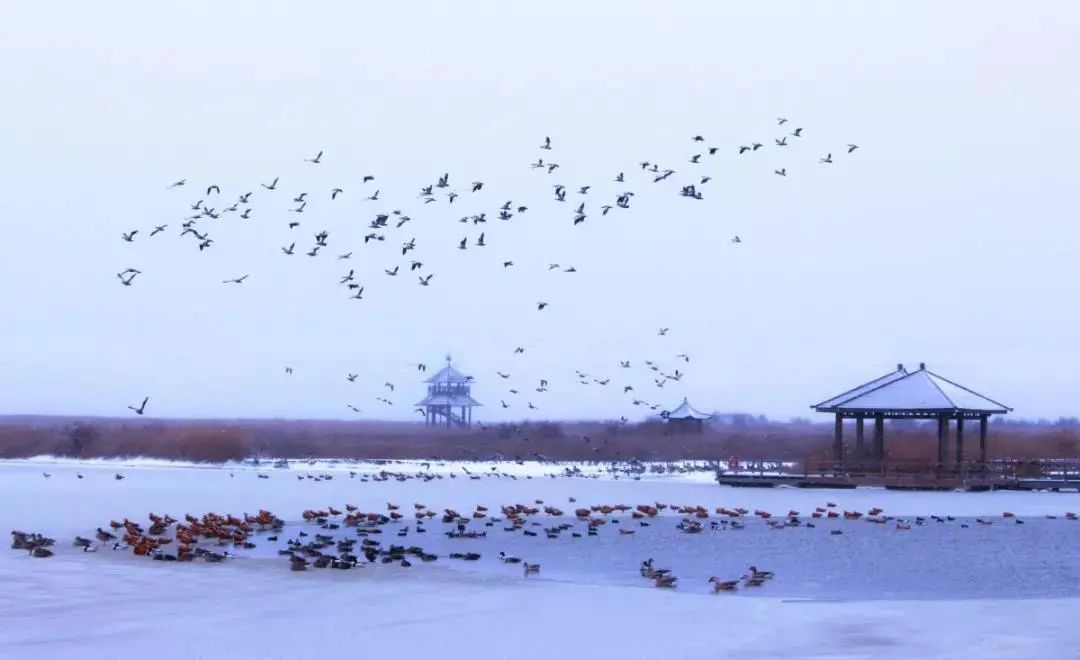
(852, 147)
(317, 159)
(177, 184)
(826, 159)
(142, 407)
(540, 306)
(547, 143)
(424, 281)
(272, 185)
(158, 229)
(237, 280)
(781, 172)
(213, 189)
(129, 236)
(128, 275)
(335, 192)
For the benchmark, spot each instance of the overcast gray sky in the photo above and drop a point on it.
(949, 237)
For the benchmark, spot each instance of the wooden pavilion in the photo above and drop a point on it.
(449, 400)
(686, 418)
(902, 394)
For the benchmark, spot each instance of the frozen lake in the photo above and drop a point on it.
(936, 590)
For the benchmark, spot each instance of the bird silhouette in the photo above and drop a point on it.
(237, 280)
(540, 306)
(289, 250)
(158, 229)
(128, 275)
(129, 236)
(852, 147)
(177, 184)
(317, 159)
(826, 159)
(781, 172)
(213, 189)
(272, 185)
(142, 407)
(547, 143)
(351, 377)
(335, 192)
(425, 281)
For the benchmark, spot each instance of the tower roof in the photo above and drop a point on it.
(916, 391)
(687, 411)
(449, 374)
(449, 399)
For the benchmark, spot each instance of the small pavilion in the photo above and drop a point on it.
(686, 418)
(902, 394)
(449, 400)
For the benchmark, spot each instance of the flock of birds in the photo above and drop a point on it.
(321, 541)
(486, 221)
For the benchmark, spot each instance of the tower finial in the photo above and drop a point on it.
(448, 357)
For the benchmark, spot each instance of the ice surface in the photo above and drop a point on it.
(933, 591)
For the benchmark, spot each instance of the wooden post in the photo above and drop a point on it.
(982, 439)
(879, 437)
(942, 438)
(959, 440)
(838, 442)
(860, 451)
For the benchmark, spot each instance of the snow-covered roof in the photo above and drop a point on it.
(687, 411)
(449, 374)
(916, 391)
(448, 399)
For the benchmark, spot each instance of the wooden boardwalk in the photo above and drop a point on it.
(1042, 474)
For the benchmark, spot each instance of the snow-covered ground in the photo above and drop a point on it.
(105, 604)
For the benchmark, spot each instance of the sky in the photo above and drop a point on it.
(949, 237)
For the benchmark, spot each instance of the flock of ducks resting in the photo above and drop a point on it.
(208, 537)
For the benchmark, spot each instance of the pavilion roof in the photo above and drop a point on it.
(449, 374)
(446, 399)
(687, 411)
(916, 391)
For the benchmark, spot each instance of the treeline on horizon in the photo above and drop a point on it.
(749, 439)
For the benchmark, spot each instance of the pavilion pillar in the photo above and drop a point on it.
(959, 440)
(860, 451)
(879, 437)
(942, 438)
(982, 439)
(838, 441)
